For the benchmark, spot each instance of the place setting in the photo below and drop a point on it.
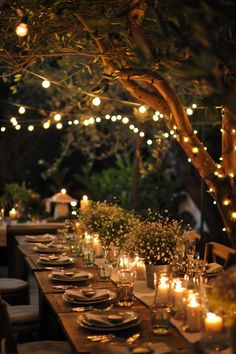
(56, 260)
(46, 238)
(108, 321)
(50, 248)
(89, 296)
(65, 276)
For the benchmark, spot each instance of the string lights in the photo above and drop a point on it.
(22, 29)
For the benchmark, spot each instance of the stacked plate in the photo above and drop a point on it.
(56, 260)
(50, 248)
(40, 238)
(88, 296)
(69, 276)
(212, 269)
(113, 320)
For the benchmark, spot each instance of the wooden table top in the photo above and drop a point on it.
(67, 318)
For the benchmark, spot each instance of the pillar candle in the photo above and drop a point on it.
(213, 323)
(179, 296)
(84, 203)
(193, 312)
(163, 289)
(13, 214)
(97, 247)
(140, 270)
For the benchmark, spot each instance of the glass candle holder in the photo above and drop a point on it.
(192, 312)
(125, 285)
(178, 297)
(161, 308)
(215, 335)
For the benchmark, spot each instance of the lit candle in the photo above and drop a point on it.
(84, 203)
(124, 262)
(193, 313)
(179, 296)
(97, 246)
(87, 239)
(13, 214)
(213, 323)
(140, 270)
(163, 290)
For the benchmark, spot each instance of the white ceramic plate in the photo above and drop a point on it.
(40, 239)
(128, 317)
(56, 263)
(112, 296)
(70, 279)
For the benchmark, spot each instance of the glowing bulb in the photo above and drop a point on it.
(149, 142)
(216, 173)
(86, 122)
(96, 101)
(221, 130)
(218, 165)
(13, 121)
(189, 111)
(226, 202)
(194, 105)
(22, 29)
(73, 204)
(125, 120)
(76, 122)
(205, 148)
(46, 84)
(3, 129)
(57, 117)
(155, 118)
(161, 115)
(210, 190)
(224, 229)
(63, 191)
(119, 117)
(98, 120)
(166, 135)
(18, 127)
(113, 118)
(91, 120)
(233, 131)
(21, 110)
(221, 158)
(30, 128)
(186, 139)
(214, 202)
(189, 160)
(195, 149)
(142, 134)
(231, 174)
(46, 124)
(136, 130)
(131, 127)
(175, 127)
(85, 197)
(172, 132)
(142, 109)
(195, 131)
(70, 122)
(59, 125)
(107, 116)
(233, 215)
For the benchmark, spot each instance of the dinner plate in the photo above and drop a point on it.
(90, 301)
(108, 329)
(40, 238)
(49, 249)
(56, 263)
(127, 317)
(70, 279)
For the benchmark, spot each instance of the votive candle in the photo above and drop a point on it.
(193, 312)
(213, 323)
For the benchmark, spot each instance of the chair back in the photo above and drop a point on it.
(218, 253)
(8, 344)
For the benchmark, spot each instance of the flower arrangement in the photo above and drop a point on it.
(155, 240)
(223, 295)
(110, 221)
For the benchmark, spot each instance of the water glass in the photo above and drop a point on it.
(89, 257)
(105, 271)
(125, 285)
(160, 317)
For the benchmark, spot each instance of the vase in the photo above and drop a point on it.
(159, 269)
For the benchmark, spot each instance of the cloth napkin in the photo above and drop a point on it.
(99, 320)
(157, 348)
(54, 259)
(214, 268)
(69, 275)
(78, 295)
(39, 238)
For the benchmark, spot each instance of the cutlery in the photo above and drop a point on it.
(64, 287)
(133, 338)
(82, 308)
(103, 338)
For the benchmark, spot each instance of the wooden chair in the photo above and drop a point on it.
(218, 253)
(8, 344)
(14, 291)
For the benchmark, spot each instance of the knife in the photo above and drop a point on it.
(133, 338)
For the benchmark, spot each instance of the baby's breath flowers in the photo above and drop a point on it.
(111, 221)
(155, 240)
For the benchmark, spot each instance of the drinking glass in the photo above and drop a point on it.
(125, 285)
(89, 257)
(105, 272)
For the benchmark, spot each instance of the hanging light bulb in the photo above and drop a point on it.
(22, 29)
(46, 124)
(96, 101)
(57, 117)
(21, 110)
(142, 109)
(59, 125)
(189, 111)
(46, 83)
(30, 128)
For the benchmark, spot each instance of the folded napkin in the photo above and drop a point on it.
(214, 268)
(99, 320)
(56, 259)
(39, 238)
(69, 275)
(79, 295)
(156, 348)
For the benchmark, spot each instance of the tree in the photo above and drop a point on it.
(163, 53)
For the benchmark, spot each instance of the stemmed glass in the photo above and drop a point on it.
(190, 248)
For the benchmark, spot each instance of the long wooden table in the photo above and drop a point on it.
(54, 310)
